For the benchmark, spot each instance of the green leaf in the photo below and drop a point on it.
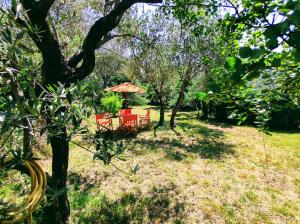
(252, 75)
(256, 52)
(238, 64)
(276, 62)
(20, 35)
(29, 109)
(245, 52)
(295, 17)
(14, 4)
(295, 39)
(230, 63)
(135, 168)
(291, 4)
(258, 5)
(284, 26)
(201, 96)
(43, 130)
(239, 70)
(270, 33)
(272, 43)
(297, 55)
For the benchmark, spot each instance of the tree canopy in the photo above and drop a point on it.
(235, 61)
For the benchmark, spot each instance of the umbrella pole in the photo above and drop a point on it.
(126, 100)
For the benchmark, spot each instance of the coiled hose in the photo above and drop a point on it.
(38, 187)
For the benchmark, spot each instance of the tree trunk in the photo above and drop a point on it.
(27, 136)
(161, 121)
(158, 93)
(58, 211)
(204, 111)
(176, 108)
(56, 68)
(179, 101)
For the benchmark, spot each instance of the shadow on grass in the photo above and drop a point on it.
(80, 181)
(212, 121)
(175, 155)
(157, 206)
(206, 142)
(185, 116)
(290, 132)
(208, 133)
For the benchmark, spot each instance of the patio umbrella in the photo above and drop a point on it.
(126, 88)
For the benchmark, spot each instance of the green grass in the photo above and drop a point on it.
(207, 173)
(14, 188)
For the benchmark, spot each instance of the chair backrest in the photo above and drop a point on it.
(125, 112)
(148, 113)
(101, 116)
(130, 119)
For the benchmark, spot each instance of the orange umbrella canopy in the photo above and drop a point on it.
(125, 88)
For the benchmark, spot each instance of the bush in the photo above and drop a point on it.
(137, 100)
(111, 103)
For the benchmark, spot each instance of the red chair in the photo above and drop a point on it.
(104, 122)
(129, 121)
(122, 113)
(145, 119)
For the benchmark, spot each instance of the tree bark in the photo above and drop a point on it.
(204, 108)
(158, 93)
(178, 102)
(55, 69)
(58, 211)
(27, 136)
(161, 121)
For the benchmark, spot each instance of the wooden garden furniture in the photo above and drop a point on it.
(122, 113)
(129, 122)
(104, 122)
(145, 119)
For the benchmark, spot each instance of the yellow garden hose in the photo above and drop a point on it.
(38, 187)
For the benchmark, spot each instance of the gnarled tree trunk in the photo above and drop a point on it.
(161, 121)
(179, 102)
(56, 69)
(162, 105)
(58, 211)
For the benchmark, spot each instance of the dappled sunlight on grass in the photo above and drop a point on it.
(157, 206)
(207, 173)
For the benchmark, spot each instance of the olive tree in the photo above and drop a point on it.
(59, 67)
(151, 60)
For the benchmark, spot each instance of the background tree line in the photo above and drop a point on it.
(236, 61)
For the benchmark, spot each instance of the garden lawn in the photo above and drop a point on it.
(208, 173)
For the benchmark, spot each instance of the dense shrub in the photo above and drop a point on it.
(111, 103)
(273, 110)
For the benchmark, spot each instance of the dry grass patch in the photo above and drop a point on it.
(206, 174)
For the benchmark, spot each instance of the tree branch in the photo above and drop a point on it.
(53, 60)
(196, 4)
(20, 97)
(97, 34)
(55, 67)
(44, 6)
(78, 56)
